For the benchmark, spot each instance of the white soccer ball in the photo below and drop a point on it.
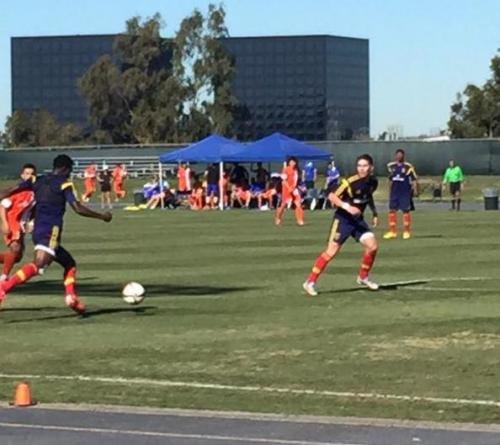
(133, 293)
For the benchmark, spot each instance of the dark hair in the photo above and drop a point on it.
(400, 150)
(63, 161)
(365, 157)
(29, 165)
(293, 158)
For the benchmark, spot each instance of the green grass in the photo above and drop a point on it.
(225, 306)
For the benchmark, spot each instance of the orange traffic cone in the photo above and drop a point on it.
(22, 396)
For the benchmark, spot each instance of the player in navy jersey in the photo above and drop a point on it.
(403, 186)
(351, 197)
(52, 193)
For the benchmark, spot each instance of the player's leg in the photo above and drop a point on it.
(392, 220)
(64, 258)
(285, 197)
(458, 195)
(299, 211)
(11, 257)
(41, 260)
(452, 193)
(369, 242)
(406, 224)
(339, 232)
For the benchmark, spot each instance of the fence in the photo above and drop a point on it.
(476, 156)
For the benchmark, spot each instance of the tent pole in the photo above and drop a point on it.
(221, 183)
(160, 179)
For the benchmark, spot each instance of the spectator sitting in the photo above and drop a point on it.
(239, 175)
(241, 194)
(197, 195)
(267, 195)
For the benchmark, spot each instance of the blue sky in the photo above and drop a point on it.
(422, 52)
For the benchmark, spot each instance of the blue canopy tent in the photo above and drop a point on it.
(212, 149)
(278, 147)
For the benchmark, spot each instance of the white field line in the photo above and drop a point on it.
(230, 439)
(262, 389)
(450, 289)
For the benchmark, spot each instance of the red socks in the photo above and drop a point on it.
(393, 221)
(406, 221)
(70, 281)
(21, 276)
(319, 266)
(367, 264)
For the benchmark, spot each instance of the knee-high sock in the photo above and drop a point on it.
(407, 221)
(393, 221)
(9, 259)
(367, 264)
(459, 201)
(21, 276)
(70, 281)
(453, 200)
(318, 267)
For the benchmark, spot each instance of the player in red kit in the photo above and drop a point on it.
(90, 182)
(290, 192)
(350, 198)
(14, 213)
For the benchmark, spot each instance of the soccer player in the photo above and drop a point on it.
(89, 180)
(14, 214)
(52, 193)
(454, 176)
(403, 186)
(351, 198)
(119, 175)
(105, 178)
(290, 192)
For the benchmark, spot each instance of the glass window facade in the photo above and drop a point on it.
(46, 70)
(309, 87)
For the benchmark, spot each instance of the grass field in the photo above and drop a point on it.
(225, 306)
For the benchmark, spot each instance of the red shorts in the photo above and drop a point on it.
(290, 195)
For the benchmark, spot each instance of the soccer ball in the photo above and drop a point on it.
(133, 293)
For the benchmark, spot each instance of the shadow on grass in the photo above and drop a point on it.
(387, 286)
(153, 290)
(139, 310)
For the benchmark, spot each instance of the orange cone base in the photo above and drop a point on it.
(22, 396)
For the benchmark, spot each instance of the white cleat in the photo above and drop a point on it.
(367, 283)
(310, 288)
(3, 277)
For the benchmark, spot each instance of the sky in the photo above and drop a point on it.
(422, 52)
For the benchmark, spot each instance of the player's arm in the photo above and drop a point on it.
(84, 211)
(14, 189)
(414, 183)
(3, 220)
(373, 209)
(337, 196)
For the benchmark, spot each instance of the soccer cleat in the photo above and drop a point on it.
(300, 223)
(310, 288)
(390, 235)
(74, 303)
(3, 277)
(277, 221)
(406, 235)
(367, 283)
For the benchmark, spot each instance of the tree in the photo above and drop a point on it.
(476, 112)
(204, 70)
(38, 129)
(132, 95)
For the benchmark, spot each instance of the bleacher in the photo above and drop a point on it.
(137, 166)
